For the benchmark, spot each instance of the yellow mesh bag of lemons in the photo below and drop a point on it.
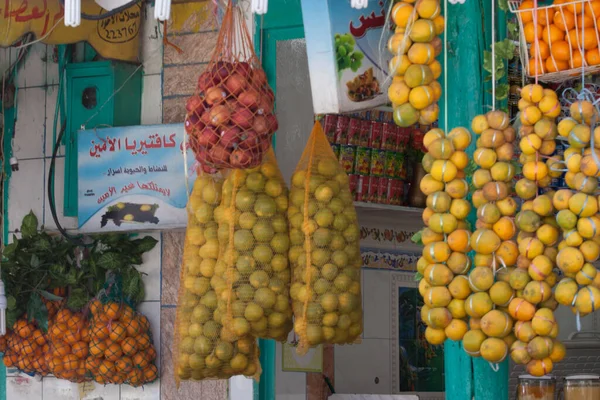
(324, 252)
(204, 348)
(254, 242)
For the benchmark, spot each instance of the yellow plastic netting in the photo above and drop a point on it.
(325, 252)
(254, 244)
(203, 348)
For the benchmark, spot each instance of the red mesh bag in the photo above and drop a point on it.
(230, 118)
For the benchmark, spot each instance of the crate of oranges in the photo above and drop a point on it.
(559, 40)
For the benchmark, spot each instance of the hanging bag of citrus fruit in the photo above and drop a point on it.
(203, 348)
(325, 252)
(230, 118)
(254, 243)
(121, 349)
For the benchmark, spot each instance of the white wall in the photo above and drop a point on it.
(37, 92)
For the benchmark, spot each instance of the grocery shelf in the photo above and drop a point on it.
(387, 207)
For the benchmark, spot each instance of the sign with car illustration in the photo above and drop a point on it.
(354, 56)
(132, 178)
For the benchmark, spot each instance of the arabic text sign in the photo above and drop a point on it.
(359, 77)
(132, 178)
(115, 37)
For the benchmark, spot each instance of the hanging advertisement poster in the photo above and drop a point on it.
(132, 178)
(343, 46)
(114, 37)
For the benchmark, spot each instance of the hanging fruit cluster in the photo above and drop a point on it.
(578, 212)
(534, 278)
(414, 91)
(496, 253)
(444, 262)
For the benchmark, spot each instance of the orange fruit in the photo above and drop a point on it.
(144, 322)
(80, 371)
(92, 364)
(586, 37)
(127, 313)
(551, 34)
(564, 21)
(118, 332)
(118, 379)
(134, 327)
(124, 365)
(95, 306)
(574, 8)
(113, 352)
(561, 51)
(544, 50)
(22, 328)
(112, 310)
(535, 67)
(58, 329)
(76, 322)
(556, 65)
(129, 346)
(150, 353)
(100, 379)
(135, 377)
(39, 337)
(526, 16)
(592, 57)
(8, 361)
(139, 360)
(576, 61)
(80, 349)
(532, 32)
(70, 362)
(97, 348)
(61, 349)
(106, 369)
(144, 341)
(86, 334)
(63, 316)
(150, 373)
(100, 330)
(72, 336)
(4, 343)
(592, 8)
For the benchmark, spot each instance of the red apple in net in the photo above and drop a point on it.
(235, 84)
(242, 117)
(221, 70)
(193, 124)
(240, 158)
(259, 77)
(249, 98)
(244, 69)
(205, 80)
(230, 137)
(273, 124)
(220, 155)
(261, 125)
(251, 141)
(193, 104)
(265, 144)
(215, 95)
(219, 115)
(265, 105)
(208, 138)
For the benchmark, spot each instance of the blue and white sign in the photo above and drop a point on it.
(343, 46)
(132, 178)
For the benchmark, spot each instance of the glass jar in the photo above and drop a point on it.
(582, 387)
(536, 388)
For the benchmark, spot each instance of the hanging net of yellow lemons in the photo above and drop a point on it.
(325, 252)
(203, 348)
(254, 242)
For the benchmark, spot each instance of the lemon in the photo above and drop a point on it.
(202, 346)
(276, 285)
(265, 206)
(342, 283)
(260, 326)
(247, 220)
(329, 302)
(340, 222)
(324, 193)
(321, 286)
(324, 217)
(242, 240)
(340, 258)
(265, 297)
(120, 206)
(282, 303)
(200, 286)
(276, 320)
(328, 166)
(347, 302)
(253, 312)
(263, 231)
(279, 223)
(279, 263)
(204, 213)
(280, 243)
(196, 362)
(237, 308)
(210, 232)
(337, 242)
(314, 334)
(329, 271)
(255, 182)
(320, 257)
(245, 292)
(351, 234)
(224, 351)
(344, 322)
(241, 327)
(298, 179)
(244, 199)
(209, 300)
(322, 237)
(330, 319)
(273, 188)
(259, 279)
(245, 264)
(262, 253)
(211, 194)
